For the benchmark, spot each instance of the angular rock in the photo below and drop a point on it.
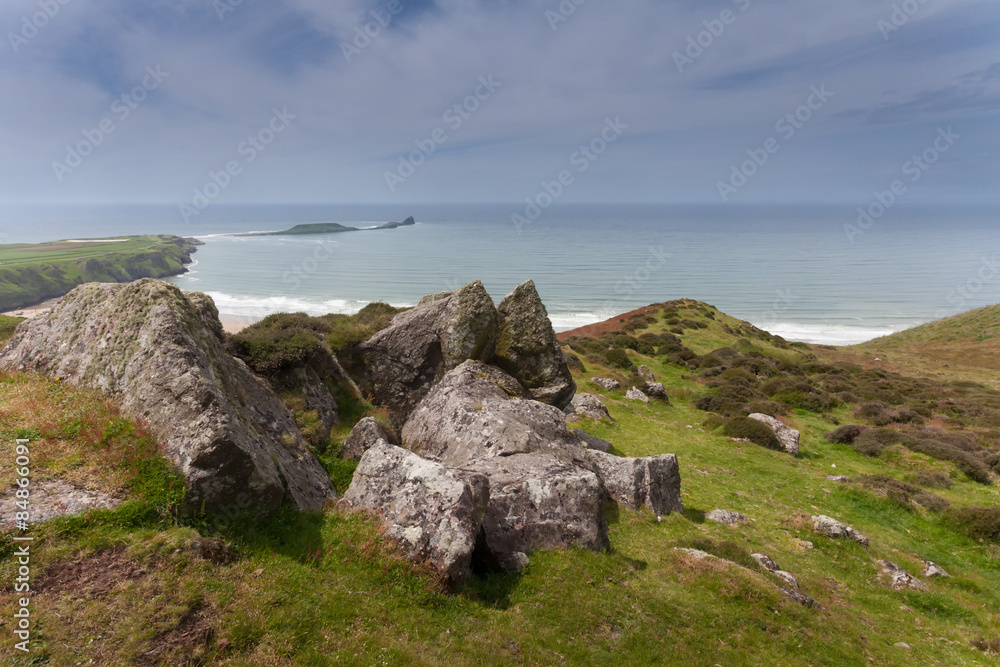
(319, 398)
(607, 384)
(788, 578)
(653, 481)
(365, 435)
(54, 498)
(932, 570)
(788, 437)
(399, 365)
(159, 353)
(765, 562)
(589, 406)
(646, 374)
(801, 598)
(833, 528)
(634, 394)
(838, 478)
(899, 578)
(727, 517)
(592, 442)
(544, 490)
(528, 350)
(656, 390)
(696, 553)
(435, 513)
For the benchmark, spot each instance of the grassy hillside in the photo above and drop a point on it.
(139, 585)
(963, 347)
(32, 273)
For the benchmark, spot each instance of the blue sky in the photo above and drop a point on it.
(693, 113)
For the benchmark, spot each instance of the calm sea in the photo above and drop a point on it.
(792, 270)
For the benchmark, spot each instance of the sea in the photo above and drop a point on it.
(813, 273)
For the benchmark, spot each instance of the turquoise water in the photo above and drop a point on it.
(791, 270)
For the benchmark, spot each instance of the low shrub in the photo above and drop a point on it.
(933, 480)
(279, 341)
(845, 435)
(618, 358)
(903, 493)
(979, 523)
(752, 430)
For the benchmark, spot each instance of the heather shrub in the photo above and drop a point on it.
(752, 430)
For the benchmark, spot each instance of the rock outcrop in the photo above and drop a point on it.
(656, 390)
(897, 578)
(587, 406)
(400, 364)
(788, 437)
(727, 517)
(365, 435)
(646, 374)
(435, 513)
(593, 442)
(932, 570)
(159, 353)
(833, 528)
(544, 491)
(528, 350)
(653, 481)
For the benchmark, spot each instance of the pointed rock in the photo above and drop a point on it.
(365, 435)
(528, 350)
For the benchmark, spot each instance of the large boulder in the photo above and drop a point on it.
(788, 437)
(159, 353)
(587, 406)
(653, 481)
(398, 365)
(544, 489)
(528, 350)
(433, 512)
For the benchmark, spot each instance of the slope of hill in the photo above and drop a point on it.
(32, 273)
(964, 347)
(139, 585)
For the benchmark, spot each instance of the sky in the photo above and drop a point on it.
(440, 101)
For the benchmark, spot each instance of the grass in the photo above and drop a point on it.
(326, 589)
(32, 273)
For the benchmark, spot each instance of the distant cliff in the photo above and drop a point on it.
(32, 273)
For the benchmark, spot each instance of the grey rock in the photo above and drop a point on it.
(727, 517)
(587, 406)
(656, 390)
(646, 374)
(433, 512)
(159, 353)
(788, 578)
(902, 645)
(54, 498)
(544, 490)
(788, 437)
(932, 570)
(318, 398)
(365, 434)
(696, 553)
(801, 598)
(528, 350)
(899, 578)
(607, 384)
(833, 528)
(838, 478)
(634, 394)
(592, 442)
(399, 365)
(765, 562)
(653, 481)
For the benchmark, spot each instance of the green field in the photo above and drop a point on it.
(326, 589)
(32, 273)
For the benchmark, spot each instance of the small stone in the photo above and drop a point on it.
(838, 478)
(697, 553)
(656, 390)
(727, 517)
(646, 374)
(634, 394)
(765, 562)
(900, 578)
(788, 578)
(934, 570)
(607, 384)
(833, 528)
(902, 645)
